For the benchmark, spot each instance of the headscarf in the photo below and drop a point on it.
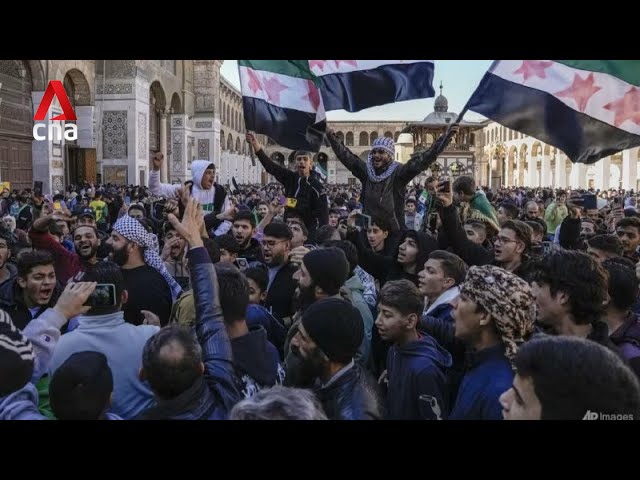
(132, 230)
(387, 144)
(508, 299)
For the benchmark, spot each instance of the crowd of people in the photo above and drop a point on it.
(303, 300)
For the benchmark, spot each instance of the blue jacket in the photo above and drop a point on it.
(256, 362)
(257, 315)
(416, 373)
(489, 377)
(213, 395)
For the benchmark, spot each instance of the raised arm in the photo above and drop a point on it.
(355, 164)
(419, 162)
(210, 329)
(280, 173)
(161, 189)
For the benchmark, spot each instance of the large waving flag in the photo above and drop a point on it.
(589, 109)
(286, 99)
(354, 85)
(281, 99)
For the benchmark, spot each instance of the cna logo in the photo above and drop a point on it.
(54, 131)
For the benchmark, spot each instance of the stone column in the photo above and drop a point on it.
(163, 146)
(561, 170)
(578, 175)
(545, 172)
(508, 175)
(532, 180)
(602, 173)
(630, 168)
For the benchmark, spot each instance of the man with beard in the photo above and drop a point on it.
(173, 256)
(32, 291)
(303, 188)
(261, 210)
(384, 180)
(327, 339)
(67, 264)
(532, 214)
(276, 245)
(243, 230)
(149, 285)
(321, 275)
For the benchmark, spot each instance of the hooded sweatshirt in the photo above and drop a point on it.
(207, 198)
(256, 362)
(416, 373)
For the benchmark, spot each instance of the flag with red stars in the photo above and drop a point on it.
(589, 109)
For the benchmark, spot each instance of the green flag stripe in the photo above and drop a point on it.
(626, 70)
(292, 68)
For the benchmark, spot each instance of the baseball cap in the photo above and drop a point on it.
(87, 212)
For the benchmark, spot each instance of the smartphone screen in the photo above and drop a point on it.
(242, 263)
(103, 296)
(363, 221)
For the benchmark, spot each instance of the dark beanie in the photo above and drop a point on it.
(336, 327)
(328, 267)
(16, 357)
(80, 388)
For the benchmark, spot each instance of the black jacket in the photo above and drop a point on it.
(253, 252)
(384, 199)
(309, 192)
(355, 395)
(280, 297)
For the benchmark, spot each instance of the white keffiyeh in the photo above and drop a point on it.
(132, 230)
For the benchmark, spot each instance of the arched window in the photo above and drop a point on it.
(349, 139)
(221, 139)
(388, 134)
(364, 139)
(229, 142)
(340, 136)
(373, 136)
(238, 144)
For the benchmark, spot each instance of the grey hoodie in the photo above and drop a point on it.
(354, 285)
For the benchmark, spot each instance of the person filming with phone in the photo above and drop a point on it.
(304, 192)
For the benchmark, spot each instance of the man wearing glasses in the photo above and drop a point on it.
(276, 244)
(510, 247)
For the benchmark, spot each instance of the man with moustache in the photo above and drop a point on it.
(321, 274)
(276, 244)
(243, 230)
(325, 344)
(86, 242)
(149, 284)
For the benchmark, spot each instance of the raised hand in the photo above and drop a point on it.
(158, 158)
(150, 318)
(253, 141)
(189, 227)
(72, 300)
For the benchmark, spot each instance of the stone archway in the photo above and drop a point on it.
(176, 103)
(16, 124)
(157, 116)
(80, 163)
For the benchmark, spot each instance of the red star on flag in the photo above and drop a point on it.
(529, 68)
(581, 90)
(313, 95)
(273, 87)
(317, 63)
(627, 108)
(353, 63)
(255, 85)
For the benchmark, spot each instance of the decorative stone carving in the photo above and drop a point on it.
(114, 141)
(204, 125)
(142, 136)
(203, 148)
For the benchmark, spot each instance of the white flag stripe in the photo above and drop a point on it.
(288, 92)
(559, 77)
(340, 66)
